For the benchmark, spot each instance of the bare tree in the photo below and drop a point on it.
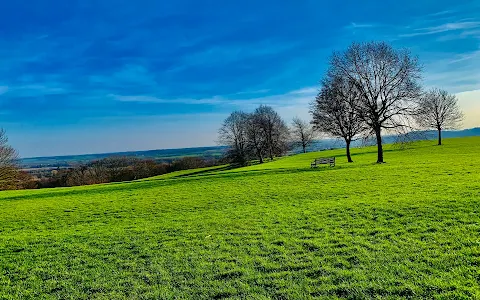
(256, 139)
(302, 133)
(233, 134)
(8, 163)
(114, 168)
(335, 110)
(439, 110)
(110, 169)
(259, 134)
(275, 130)
(387, 80)
(81, 175)
(143, 168)
(26, 181)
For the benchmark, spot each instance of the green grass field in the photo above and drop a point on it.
(409, 228)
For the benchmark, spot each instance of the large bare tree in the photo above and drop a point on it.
(439, 110)
(387, 80)
(8, 163)
(233, 134)
(302, 132)
(335, 110)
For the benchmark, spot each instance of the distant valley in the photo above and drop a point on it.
(214, 152)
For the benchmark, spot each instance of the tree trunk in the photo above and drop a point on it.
(349, 157)
(439, 136)
(304, 148)
(260, 158)
(378, 134)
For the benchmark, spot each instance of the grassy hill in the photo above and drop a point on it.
(409, 228)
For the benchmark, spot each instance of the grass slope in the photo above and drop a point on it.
(406, 229)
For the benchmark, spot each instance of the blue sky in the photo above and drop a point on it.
(100, 76)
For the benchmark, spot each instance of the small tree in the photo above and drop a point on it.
(439, 110)
(26, 181)
(387, 80)
(233, 134)
(255, 135)
(187, 163)
(302, 133)
(274, 130)
(8, 163)
(335, 110)
(256, 139)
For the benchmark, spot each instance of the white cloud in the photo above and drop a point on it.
(301, 96)
(441, 13)
(262, 91)
(305, 91)
(453, 26)
(354, 25)
(33, 90)
(153, 99)
(223, 54)
(465, 56)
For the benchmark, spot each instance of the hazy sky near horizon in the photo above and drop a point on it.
(105, 76)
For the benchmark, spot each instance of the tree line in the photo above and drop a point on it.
(368, 90)
(119, 169)
(257, 135)
(261, 135)
(110, 169)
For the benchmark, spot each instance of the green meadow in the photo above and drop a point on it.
(409, 228)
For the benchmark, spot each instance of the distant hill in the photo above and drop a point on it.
(168, 155)
(164, 155)
(461, 133)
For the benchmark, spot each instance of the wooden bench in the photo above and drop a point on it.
(323, 161)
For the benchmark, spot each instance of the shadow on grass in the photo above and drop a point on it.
(197, 173)
(243, 173)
